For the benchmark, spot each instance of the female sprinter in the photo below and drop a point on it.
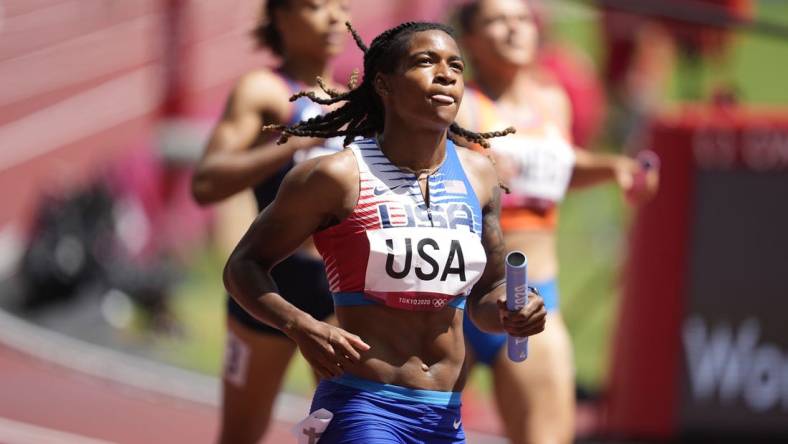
(408, 228)
(306, 34)
(535, 398)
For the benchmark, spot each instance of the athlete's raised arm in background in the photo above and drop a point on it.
(232, 161)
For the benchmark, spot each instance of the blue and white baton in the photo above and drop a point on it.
(516, 298)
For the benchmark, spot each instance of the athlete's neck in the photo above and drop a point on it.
(306, 70)
(507, 83)
(416, 150)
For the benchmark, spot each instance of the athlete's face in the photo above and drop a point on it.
(427, 86)
(502, 32)
(314, 28)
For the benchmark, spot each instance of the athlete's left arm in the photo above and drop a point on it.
(486, 304)
(590, 168)
(595, 168)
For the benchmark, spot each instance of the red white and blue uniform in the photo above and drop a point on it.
(396, 250)
(401, 251)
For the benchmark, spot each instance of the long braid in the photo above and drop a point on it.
(480, 138)
(362, 111)
(331, 92)
(322, 101)
(359, 41)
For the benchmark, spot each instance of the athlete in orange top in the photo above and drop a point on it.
(535, 398)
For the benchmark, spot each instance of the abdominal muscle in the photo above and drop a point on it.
(420, 350)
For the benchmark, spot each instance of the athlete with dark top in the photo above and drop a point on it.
(306, 35)
(408, 226)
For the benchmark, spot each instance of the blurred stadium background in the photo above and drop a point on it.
(110, 271)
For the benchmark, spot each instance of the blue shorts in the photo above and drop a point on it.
(369, 412)
(486, 346)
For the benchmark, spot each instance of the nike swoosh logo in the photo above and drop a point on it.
(378, 191)
(457, 423)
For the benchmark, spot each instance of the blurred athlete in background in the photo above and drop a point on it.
(536, 399)
(306, 35)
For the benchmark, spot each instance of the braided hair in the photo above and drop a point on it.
(362, 111)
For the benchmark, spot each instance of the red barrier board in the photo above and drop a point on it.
(701, 345)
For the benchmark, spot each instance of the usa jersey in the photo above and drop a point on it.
(396, 250)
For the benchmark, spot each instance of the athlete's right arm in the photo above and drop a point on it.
(313, 195)
(229, 165)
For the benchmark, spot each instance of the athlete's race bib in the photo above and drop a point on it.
(422, 268)
(540, 166)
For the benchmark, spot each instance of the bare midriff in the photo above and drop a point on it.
(414, 349)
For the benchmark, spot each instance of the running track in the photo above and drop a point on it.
(57, 390)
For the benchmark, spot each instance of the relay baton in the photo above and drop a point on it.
(516, 298)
